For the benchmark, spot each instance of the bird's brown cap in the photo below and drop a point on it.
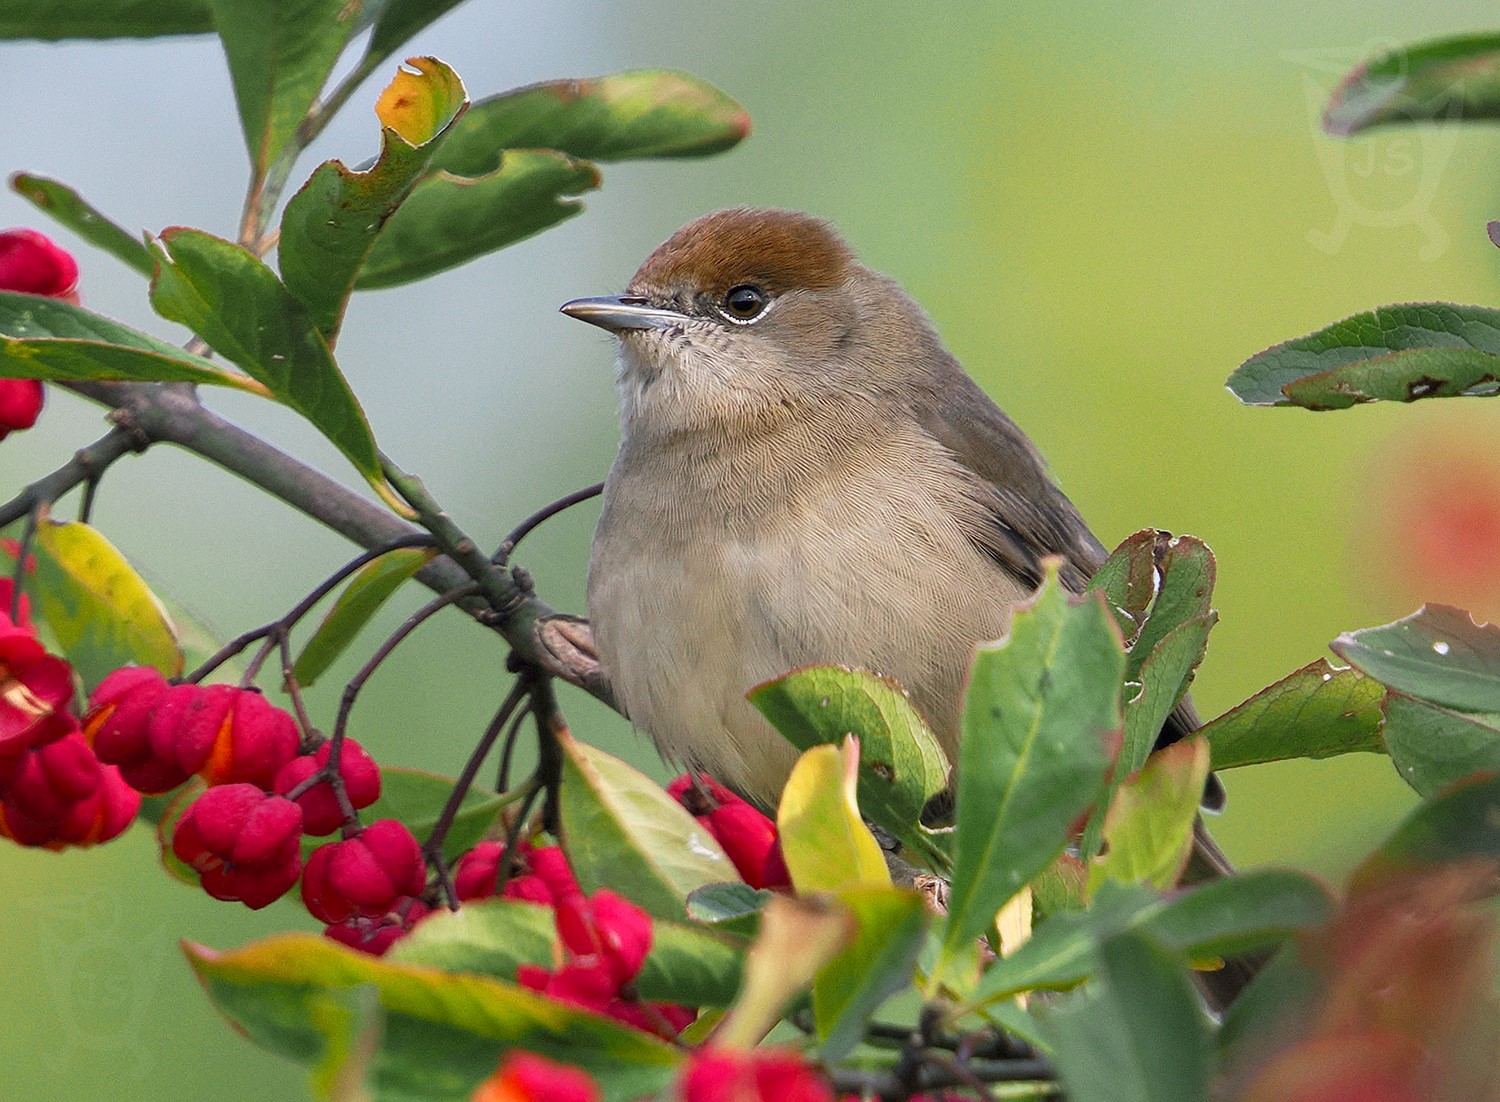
(778, 250)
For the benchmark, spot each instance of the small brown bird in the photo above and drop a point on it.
(806, 475)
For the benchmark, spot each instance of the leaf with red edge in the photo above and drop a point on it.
(1315, 712)
(442, 1032)
(1440, 80)
(1438, 653)
(638, 113)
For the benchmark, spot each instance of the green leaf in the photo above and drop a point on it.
(901, 764)
(622, 832)
(370, 587)
(823, 836)
(51, 20)
(1315, 712)
(1443, 80)
(1461, 824)
(1433, 747)
(717, 903)
(1281, 998)
(416, 798)
(891, 924)
(1040, 710)
(397, 22)
(280, 53)
(1220, 918)
(488, 937)
(102, 613)
(331, 224)
(1393, 353)
(443, 1033)
(1128, 580)
(43, 338)
(1163, 680)
(353, 1039)
(693, 966)
(493, 937)
(449, 220)
(640, 113)
(68, 207)
(1149, 827)
(1184, 592)
(1437, 654)
(1141, 1037)
(235, 303)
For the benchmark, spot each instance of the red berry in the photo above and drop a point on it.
(243, 843)
(21, 403)
(258, 739)
(365, 874)
(376, 935)
(476, 872)
(748, 837)
(526, 1077)
(761, 1075)
(320, 808)
(52, 779)
(117, 725)
(8, 590)
(33, 263)
(34, 687)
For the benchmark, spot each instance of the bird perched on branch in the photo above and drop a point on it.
(806, 475)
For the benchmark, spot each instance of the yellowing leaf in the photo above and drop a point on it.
(424, 97)
(826, 844)
(797, 938)
(102, 613)
(1149, 827)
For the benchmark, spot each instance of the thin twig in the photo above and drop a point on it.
(929, 1077)
(507, 751)
(549, 726)
(412, 622)
(433, 847)
(87, 462)
(304, 606)
(294, 690)
(546, 513)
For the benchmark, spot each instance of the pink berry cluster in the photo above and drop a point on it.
(243, 836)
(709, 1075)
(54, 790)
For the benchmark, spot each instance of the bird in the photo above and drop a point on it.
(805, 475)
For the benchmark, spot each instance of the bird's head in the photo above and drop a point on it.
(747, 317)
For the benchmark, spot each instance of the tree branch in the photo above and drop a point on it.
(151, 413)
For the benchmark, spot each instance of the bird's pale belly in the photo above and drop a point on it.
(687, 628)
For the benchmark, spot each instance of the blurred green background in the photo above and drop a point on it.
(1105, 207)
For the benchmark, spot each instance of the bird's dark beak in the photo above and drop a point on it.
(621, 313)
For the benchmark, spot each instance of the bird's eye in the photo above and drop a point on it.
(744, 302)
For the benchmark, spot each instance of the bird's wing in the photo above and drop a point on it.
(1023, 516)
